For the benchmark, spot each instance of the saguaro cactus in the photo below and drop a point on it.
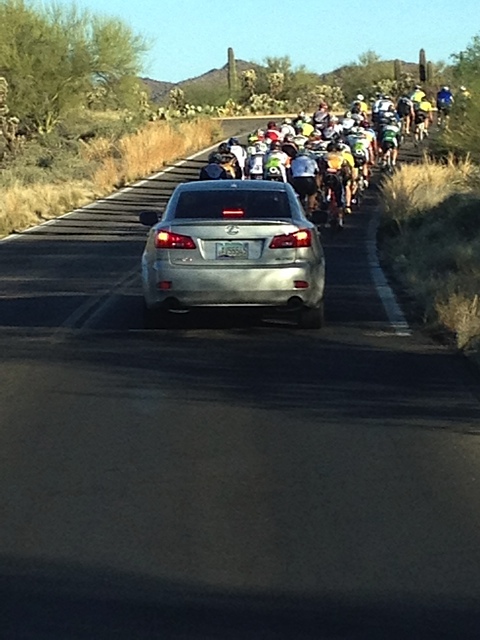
(397, 70)
(422, 66)
(232, 73)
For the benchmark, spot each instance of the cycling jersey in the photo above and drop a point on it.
(404, 106)
(272, 134)
(321, 118)
(307, 129)
(424, 106)
(276, 160)
(303, 166)
(285, 130)
(240, 154)
(360, 105)
(418, 95)
(255, 163)
(213, 171)
(444, 99)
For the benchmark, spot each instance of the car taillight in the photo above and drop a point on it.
(169, 240)
(233, 213)
(302, 238)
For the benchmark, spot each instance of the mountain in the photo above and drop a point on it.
(215, 77)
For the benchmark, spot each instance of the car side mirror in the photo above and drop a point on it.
(149, 218)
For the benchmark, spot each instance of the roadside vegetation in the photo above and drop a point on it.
(430, 232)
(75, 121)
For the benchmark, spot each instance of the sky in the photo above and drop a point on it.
(190, 37)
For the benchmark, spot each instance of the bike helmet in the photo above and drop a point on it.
(334, 146)
(275, 144)
(462, 88)
(445, 88)
(272, 125)
(287, 121)
(360, 97)
(233, 142)
(348, 114)
(289, 138)
(223, 148)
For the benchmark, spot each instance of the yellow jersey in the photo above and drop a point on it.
(307, 129)
(425, 106)
(418, 95)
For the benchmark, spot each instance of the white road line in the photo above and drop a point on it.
(112, 196)
(392, 308)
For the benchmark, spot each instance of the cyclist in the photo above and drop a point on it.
(289, 147)
(360, 144)
(389, 137)
(348, 122)
(336, 169)
(272, 133)
(255, 161)
(423, 117)
(214, 169)
(333, 130)
(287, 128)
(382, 106)
(229, 160)
(445, 102)
(406, 112)
(276, 162)
(299, 138)
(418, 94)
(359, 105)
(305, 177)
(241, 156)
(463, 99)
(321, 116)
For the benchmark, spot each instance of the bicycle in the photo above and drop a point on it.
(329, 195)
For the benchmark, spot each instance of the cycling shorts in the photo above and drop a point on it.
(305, 186)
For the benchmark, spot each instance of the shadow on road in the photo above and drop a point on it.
(49, 600)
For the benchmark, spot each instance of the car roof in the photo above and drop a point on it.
(237, 185)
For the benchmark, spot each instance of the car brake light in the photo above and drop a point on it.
(296, 240)
(233, 213)
(169, 240)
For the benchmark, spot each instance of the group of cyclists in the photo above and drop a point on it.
(326, 158)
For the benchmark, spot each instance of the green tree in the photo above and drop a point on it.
(54, 57)
(467, 63)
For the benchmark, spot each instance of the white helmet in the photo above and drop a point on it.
(463, 88)
(446, 88)
(360, 97)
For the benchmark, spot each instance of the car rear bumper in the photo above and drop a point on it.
(211, 287)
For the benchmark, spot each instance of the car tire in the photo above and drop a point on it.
(311, 318)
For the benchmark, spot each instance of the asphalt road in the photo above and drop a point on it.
(266, 481)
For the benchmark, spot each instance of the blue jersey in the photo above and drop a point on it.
(444, 98)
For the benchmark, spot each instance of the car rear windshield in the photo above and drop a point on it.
(218, 205)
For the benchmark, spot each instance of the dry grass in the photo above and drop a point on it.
(149, 150)
(416, 188)
(434, 242)
(22, 207)
(118, 162)
(461, 315)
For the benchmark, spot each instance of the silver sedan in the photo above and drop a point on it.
(233, 243)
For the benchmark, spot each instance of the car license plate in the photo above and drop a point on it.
(232, 250)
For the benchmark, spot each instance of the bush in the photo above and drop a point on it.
(432, 213)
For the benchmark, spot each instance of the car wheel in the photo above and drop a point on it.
(311, 318)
